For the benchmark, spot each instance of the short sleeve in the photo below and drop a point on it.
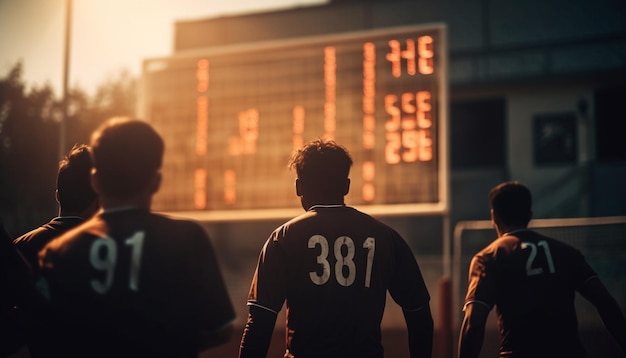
(481, 285)
(407, 286)
(268, 288)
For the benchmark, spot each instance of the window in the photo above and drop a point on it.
(477, 133)
(555, 138)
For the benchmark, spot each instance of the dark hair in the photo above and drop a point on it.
(127, 153)
(75, 193)
(511, 203)
(322, 164)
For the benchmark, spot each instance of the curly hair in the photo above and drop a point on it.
(323, 163)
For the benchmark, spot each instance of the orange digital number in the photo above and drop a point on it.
(423, 52)
(426, 54)
(393, 147)
(408, 127)
(393, 122)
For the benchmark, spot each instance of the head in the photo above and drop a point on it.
(322, 167)
(511, 206)
(74, 192)
(127, 155)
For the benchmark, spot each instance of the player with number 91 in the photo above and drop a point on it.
(333, 266)
(130, 282)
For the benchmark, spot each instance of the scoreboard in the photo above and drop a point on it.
(232, 115)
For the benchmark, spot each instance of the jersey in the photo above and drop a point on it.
(134, 283)
(333, 267)
(41, 326)
(15, 287)
(532, 280)
(31, 242)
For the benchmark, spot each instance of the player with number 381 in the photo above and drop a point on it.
(333, 266)
(130, 282)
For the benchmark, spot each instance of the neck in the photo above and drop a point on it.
(140, 202)
(307, 204)
(507, 229)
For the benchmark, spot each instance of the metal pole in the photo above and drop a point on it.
(66, 66)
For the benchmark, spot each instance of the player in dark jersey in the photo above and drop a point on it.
(333, 265)
(76, 198)
(532, 280)
(77, 201)
(16, 285)
(129, 282)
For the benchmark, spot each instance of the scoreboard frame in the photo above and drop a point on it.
(197, 138)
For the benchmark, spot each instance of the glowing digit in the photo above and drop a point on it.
(424, 107)
(394, 58)
(392, 148)
(410, 143)
(409, 56)
(393, 122)
(426, 54)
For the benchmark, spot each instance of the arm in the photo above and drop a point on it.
(608, 308)
(257, 334)
(473, 329)
(419, 325)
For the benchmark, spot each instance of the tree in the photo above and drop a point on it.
(28, 151)
(29, 140)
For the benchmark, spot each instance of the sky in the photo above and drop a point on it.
(107, 36)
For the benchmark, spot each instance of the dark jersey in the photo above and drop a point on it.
(41, 326)
(31, 242)
(133, 283)
(16, 284)
(333, 266)
(532, 280)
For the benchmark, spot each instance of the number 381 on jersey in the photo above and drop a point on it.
(345, 268)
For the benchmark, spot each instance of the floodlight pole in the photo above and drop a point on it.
(66, 66)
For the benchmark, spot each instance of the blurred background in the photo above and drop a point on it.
(519, 90)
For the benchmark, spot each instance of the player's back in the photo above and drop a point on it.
(31, 242)
(536, 280)
(132, 282)
(340, 264)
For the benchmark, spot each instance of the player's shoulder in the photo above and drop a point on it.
(555, 243)
(169, 223)
(500, 247)
(27, 237)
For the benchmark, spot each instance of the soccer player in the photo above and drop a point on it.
(129, 282)
(532, 280)
(76, 198)
(16, 285)
(333, 266)
(77, 201)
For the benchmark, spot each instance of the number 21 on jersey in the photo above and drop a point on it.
(345, 259)
(533, 261)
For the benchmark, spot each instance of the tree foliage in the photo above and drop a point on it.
(30, 125)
